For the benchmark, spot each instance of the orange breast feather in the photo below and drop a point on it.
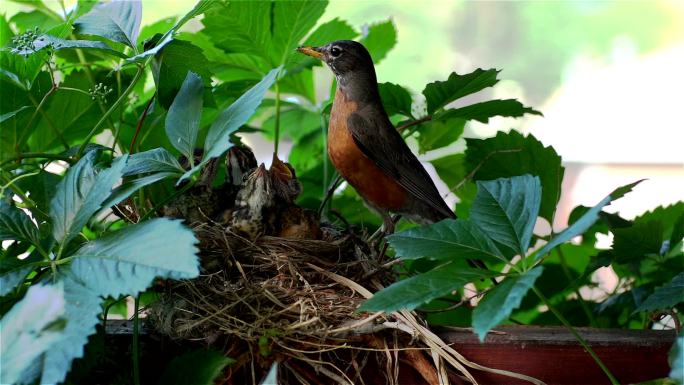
(355, 167)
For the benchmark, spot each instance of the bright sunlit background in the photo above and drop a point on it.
(608, 76)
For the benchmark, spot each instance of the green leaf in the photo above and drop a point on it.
(485, 110)
(12, 114)
(182, 121)
(379, 39)
(117, 20)
(152, 51)
(72, 114)
(154, 161)
(126, 261)
(20, 71)
(506, 210)
(199, 367)
(498, 304)
(57, 44)
(292, 20)
(80, 195)
(12, 276)
(412, 292)
(218, 138)
(667, 215)
(172, 66)
(122, 262)
(82, 7)
(272, 375)
(159, 27)
(450, 168)
(440, 93)
(300, 83)
(29, 329)
(396, 99)
(16, 225)
(511, 154)
(81, 313)
(42, 187)
(439, 133)
(676, 359)
(632, 244)
(6, 33)
(13, 270)
(329, 31)
(129, 187)
(585, 221)
(672, 220)
(33, 19)
(448, 239)
(200, 7)
(666, 296)
(677, 233)
(295, 123)
(240, 26)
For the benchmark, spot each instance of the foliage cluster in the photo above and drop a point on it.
(91, 89)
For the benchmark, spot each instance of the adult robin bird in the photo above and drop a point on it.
(364, 146)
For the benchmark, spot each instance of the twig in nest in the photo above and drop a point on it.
(329, 194)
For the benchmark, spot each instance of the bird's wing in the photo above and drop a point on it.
(381, 142)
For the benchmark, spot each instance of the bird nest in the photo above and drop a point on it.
(286, 291)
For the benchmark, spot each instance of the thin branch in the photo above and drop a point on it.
(579, 338)
(277, 118)
(477, 168)
(139, 125)
(414, 123)
(583, 303)
(39, 109)
(37, 155)
(106, 115)
(74, 90)
(328, 195)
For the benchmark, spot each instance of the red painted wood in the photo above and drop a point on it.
(554, 356)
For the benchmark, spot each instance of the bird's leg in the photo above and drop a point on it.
(388, 227)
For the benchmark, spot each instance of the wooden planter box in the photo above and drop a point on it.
(554, 356)
(550, 354)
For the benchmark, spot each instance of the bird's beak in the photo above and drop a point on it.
(311, 51)
(282, 172)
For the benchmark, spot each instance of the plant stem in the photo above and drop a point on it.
(74, 90)
(414, 123)
(91, 78)
(114, 106)
(41, 155)
(24, 198)
(134, 346)
(583, 303)
(277, 118)
(139, 125)
(39, 109)
(579, 338)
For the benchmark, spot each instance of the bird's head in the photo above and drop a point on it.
(343, 57)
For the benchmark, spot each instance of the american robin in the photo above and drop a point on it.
(364, 146)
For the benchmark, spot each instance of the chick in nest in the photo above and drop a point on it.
(265, 205)
(253, 205)
(292, 221)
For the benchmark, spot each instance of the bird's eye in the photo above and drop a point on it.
(335, 51)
